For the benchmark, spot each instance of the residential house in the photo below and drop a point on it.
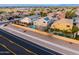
(52, 16)
(42, 23)
(29, 20)
(26, 20)
(77, 11)
(76, 21)
(63, 24)
(37, 12)
(34, 17)
(60, 15)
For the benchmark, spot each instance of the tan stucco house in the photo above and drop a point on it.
(63, 24)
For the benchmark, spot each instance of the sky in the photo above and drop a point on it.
(4, 3)
(39, 1)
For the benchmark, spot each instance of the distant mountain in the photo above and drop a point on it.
(35, 5)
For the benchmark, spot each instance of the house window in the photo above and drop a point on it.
(68, 25)
(74, 23)
(44, 22)
(35, 22)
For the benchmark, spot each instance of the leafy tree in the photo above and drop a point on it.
(50, 11)
(74, 29)
(42, 9)
(70, 13)
(2, 12)
(32, 13)
(33, 9)
(43, 14)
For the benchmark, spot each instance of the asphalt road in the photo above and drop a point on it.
(51, 43)
(4, 51)
(13, 47)
(18, 45)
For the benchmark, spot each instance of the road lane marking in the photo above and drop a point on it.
(7, 48)
(34, 45)
(59, 46)
(19, 45)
